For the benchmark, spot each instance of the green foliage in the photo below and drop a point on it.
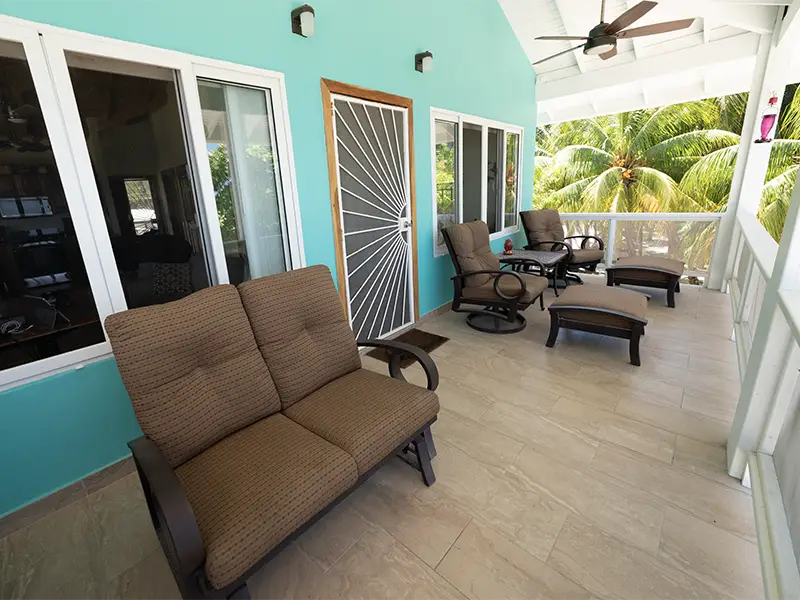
(677, 158)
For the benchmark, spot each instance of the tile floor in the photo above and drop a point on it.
(562, 473)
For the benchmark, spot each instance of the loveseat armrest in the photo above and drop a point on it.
(396, 350)
(586, 239)
(170, 510)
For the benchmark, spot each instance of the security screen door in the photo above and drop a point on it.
(372, 167)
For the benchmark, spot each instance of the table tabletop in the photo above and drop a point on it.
(548, 259)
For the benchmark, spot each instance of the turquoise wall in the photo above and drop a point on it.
(479, 68)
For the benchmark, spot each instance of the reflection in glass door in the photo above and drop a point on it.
(239, 129)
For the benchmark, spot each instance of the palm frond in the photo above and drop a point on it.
(789, 119)
(654, 191)
(783, 155)
(708, 181)
(568, 199)
(677, 154)
(600, 195)
(731, 112)
(578, 162)
(775, 198)
(675, 119)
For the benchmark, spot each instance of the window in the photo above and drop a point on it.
(107, 199)
(46, 304)
(476, 170)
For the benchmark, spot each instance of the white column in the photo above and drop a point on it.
(762, 387)
(769, 75)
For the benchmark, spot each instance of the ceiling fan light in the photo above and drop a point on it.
(600, 44)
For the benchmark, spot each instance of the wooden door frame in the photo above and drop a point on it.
(329, 87)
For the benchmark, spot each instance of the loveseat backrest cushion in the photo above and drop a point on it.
(192, 370)
(301, 330)
(470, 243)
(543, 226)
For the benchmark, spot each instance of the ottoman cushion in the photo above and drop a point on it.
(603, 300)
(667, 265)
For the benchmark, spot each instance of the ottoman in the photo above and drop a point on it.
(605, 310)
(650, 271)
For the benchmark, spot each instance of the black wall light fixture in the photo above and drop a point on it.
(423, 62)
(303, 20)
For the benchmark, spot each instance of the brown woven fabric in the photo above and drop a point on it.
(587, 255)
(192, 369)
(534, 286)
(301, 330)
(617, 301)
(254, 488)
(543, 226)
(366, 414)
(470, 242)
(668, 265)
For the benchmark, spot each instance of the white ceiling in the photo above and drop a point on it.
(714, 57)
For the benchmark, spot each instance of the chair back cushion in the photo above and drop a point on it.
(192, 369)
(301, 330)
(470, 244)
(543, 226)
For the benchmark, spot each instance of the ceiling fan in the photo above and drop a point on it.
(602, 39)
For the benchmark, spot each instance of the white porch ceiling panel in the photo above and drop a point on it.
(714, 57)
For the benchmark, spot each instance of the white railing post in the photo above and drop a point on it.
(612, 236)
(769, 75)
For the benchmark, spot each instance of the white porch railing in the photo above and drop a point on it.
(685, 236)
(766, 430)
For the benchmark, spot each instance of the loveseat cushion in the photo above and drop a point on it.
(584, 255)
(301, 330)
(366, 414)
(470, 243)
(192, 370)
(254, 488)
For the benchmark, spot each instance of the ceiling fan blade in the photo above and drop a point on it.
(558, 54)
(655, 28)
(610, 54)
(562, 37)
(630, 16)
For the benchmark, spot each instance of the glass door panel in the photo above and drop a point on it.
(239, 128)
(471, 169)
(494, 180)
(132, 121)
(512, 179)
(47, 307)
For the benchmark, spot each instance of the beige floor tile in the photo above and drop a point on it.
(699, 382)
(426, 524)
(333, 535)
(149, 579)
(572, 387)
(615, 428)
(483, 565)
(710, 501)
(462, 400)
(521, 515)
(610, 569)
(677, 420)
(291, 575)
(123, 524)
(717, 407)
(55, 557)
(541, 433)
(705, 460)
(719, 559)
(379, 566)
(624, 382)
(631, 515)
(486, 445)
(713, 366)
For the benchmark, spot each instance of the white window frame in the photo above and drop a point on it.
(440, 114)
(45, 48)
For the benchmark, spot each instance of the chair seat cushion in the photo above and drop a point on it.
(255, 487)
(366, 414)
(601, 299)
(655, 263)
(587, 255)
(534, 286)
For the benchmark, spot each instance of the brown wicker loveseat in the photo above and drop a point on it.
(258, 418)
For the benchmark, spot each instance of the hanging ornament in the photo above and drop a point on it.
(768, 119)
